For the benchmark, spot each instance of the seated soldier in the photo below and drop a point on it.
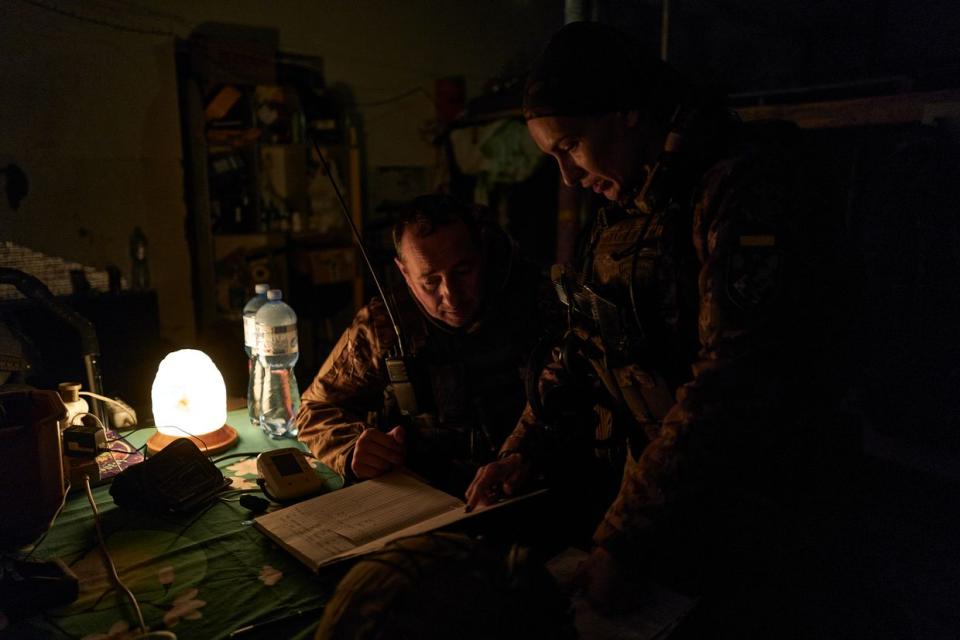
(471, 312)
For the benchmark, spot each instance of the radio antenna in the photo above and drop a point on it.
(359, 241)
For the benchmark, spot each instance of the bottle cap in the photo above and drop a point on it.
(261, 287)
(275, 294)
(69, 391)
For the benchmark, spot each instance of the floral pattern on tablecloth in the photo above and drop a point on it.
(120, 630)
(269, 576)
(185, 606)
(244, 474)
(203, 573)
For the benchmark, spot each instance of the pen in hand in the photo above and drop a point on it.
(376, 452)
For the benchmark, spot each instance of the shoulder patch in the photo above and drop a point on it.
(753, 271)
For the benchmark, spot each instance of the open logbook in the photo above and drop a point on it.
(363, 518)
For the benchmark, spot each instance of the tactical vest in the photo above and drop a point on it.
(633, 296)
(467, 382)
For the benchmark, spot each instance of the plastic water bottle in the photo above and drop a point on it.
(277, 350)
(140, 270)
(254, 369)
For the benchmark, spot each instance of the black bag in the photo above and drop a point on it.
(179, 478)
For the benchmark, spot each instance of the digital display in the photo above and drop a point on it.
(286, 464)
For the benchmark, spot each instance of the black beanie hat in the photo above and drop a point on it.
(590, 68)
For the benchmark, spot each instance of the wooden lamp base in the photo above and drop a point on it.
(209, 443)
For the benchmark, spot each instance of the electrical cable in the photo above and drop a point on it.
(126, 453)
(235, 51)
(236, 491)
(248, 454)
(134, 430)
(117, 26)
(105, 435)
(113, 401)
(107, 560)
(123, 438)
(262, 483)
(66, 492)
(142, 447)
(190, 435)
(126, 4)
(136, 449)
(227, 496)
(397, 98)
(97, 21)
(192, 522)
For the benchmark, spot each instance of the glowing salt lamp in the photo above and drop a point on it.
(190, 401)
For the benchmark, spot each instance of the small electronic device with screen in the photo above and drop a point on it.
(287, 474)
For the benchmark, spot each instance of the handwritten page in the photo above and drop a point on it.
(436, 522)
(364, 517)
(323, 528)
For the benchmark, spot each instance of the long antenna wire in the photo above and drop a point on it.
(359, 241)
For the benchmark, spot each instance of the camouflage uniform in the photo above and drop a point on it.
(473, 376)
(720, 368)
(447, 585)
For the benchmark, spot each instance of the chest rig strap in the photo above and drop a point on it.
(611, 312)
(646, 394)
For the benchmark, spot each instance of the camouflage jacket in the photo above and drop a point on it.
(728, 301)
(473, 376)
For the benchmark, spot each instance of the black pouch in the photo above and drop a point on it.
(177, 479)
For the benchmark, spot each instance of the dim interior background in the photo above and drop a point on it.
(188, 120)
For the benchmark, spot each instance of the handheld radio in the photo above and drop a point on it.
(398, 365)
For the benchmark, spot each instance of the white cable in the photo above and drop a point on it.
(107, 560)
(100, 422)
(106, 436)
(125, 408)
(66, 492)
(189, 435)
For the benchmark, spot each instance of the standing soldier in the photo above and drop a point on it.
(704, 317)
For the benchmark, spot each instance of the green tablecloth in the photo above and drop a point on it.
(201, 575)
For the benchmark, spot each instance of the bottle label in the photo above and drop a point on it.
(277, 341)
(250, 332)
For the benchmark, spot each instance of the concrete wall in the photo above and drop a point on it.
(90, 112)
(91, 116)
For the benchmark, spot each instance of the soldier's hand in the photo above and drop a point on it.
(503, 477)
(377, 452)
